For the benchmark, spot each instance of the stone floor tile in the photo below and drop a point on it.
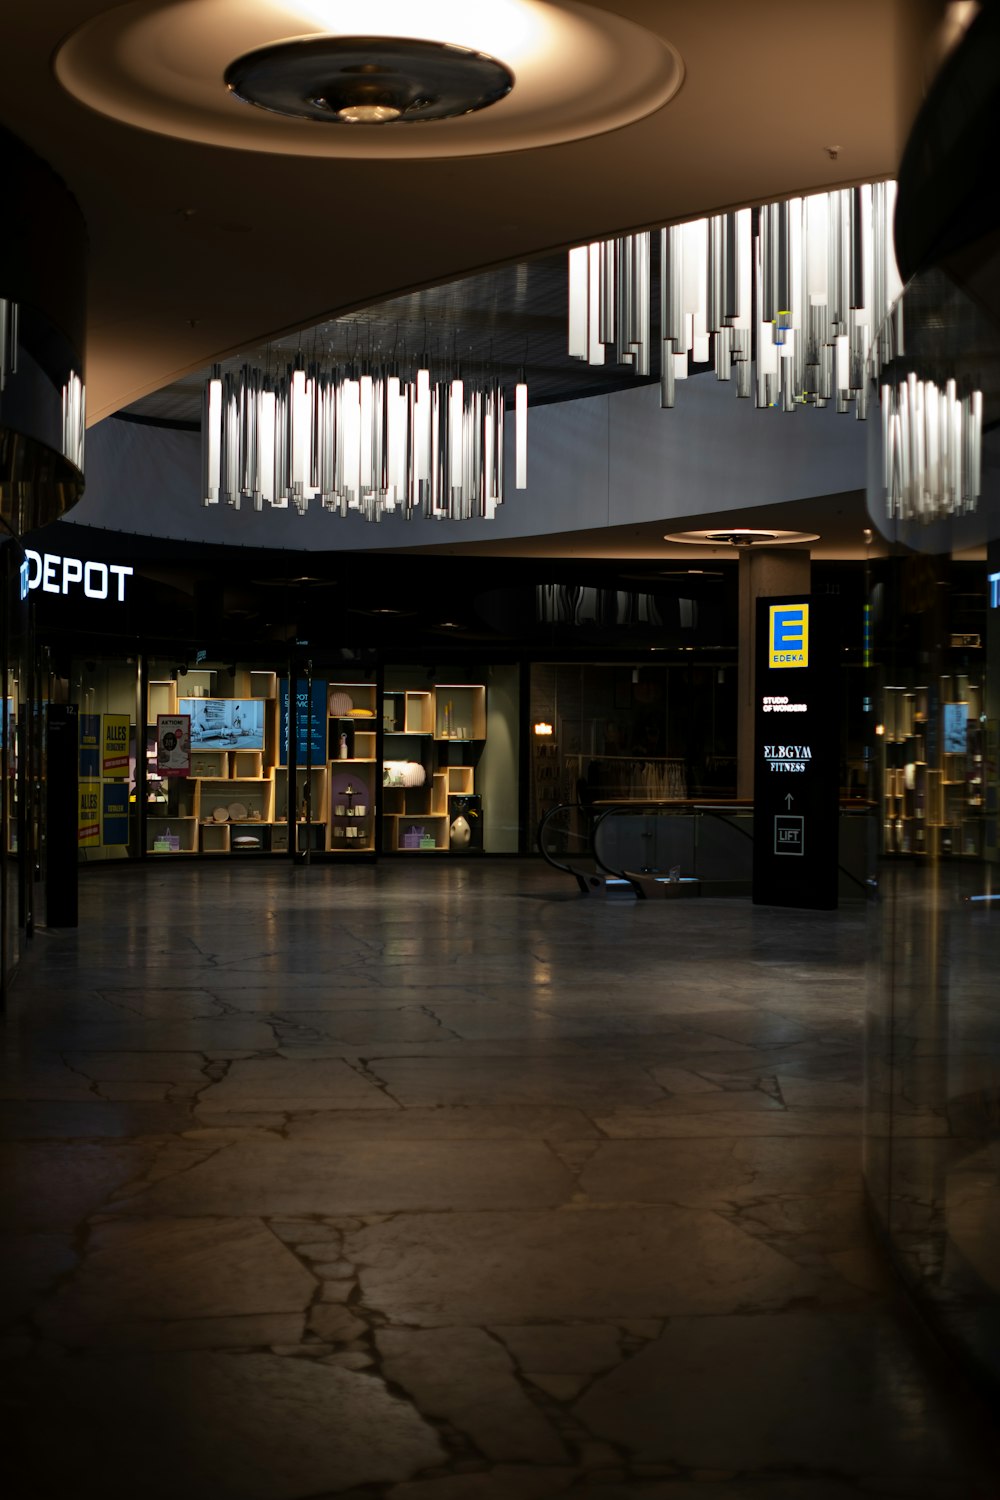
(54, 1186)
(775, 1391)
(683, 1081)
(502, 1133)
(335, 1324)
(252, 1331)
(162, 1002)
(139, 1270)
(278, 1083)
(222, 1426)
(409, 1023)
(766, 1118)
(29, 1264)
(53, 1120)
(434, 1270)
(222, 1037)
(504, 1482)
(560, 1349)
(576, 1083)
(459, 1122)
(719, 1169)
(820, 1093)
(292, 1177)
(168, 1067)
(467, 1378)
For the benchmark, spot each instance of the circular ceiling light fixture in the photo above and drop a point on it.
(480, 79)
(365, 80)
(741, 537)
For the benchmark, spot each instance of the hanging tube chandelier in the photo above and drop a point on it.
(359, 441)
(800, 289)
(931, 449)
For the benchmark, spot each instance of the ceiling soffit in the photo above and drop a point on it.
(200, 251)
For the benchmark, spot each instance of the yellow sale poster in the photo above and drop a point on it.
(114, 756)
(89, 816)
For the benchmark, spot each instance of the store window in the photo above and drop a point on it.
(450, 760)
(631, 732)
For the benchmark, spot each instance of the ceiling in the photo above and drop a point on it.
(510, 322)
(199, 251)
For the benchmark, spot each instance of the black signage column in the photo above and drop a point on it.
(796, 753)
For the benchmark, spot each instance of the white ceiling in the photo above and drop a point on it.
(198, 250)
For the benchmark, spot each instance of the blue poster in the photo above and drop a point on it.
(319, 690)
(90, 746)
(114, 821)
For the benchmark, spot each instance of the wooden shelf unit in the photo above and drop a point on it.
(933, 806)
(446, 729)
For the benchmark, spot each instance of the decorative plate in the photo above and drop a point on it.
(340, 704)
(221, 814)
(238, 812)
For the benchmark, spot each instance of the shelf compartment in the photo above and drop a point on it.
(402, 827)
(214, 838)
(183, 829)
(461, 780)
(247, 763)
(211, 763)
(255, 792)
(361, 694)
(418, 715)
(460, 711)
(318, 793)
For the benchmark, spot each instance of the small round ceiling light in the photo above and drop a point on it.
(368, 80)
(479, 79)
(741, 537)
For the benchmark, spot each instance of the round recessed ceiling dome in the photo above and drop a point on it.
(740, 536)
(506, 76)
(364, 80)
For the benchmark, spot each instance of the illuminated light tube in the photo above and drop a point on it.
(816, 283)
(520, 436)
(372, 442)
(74, 419)
(211, 439)
(932, 449)
(8, 339)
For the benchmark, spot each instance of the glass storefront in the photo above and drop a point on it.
(932, 1123)
(220, 759)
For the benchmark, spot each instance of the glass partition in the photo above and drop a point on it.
(932, 1123)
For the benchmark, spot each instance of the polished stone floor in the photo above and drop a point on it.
(439, 1181)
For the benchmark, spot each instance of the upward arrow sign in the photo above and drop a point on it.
(789, 799)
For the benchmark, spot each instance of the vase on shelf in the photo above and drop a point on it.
(460, 834)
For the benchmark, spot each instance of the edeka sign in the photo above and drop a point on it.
(796, 753)
(788, 635)
(64, 575)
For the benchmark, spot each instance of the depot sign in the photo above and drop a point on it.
(62, 575)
